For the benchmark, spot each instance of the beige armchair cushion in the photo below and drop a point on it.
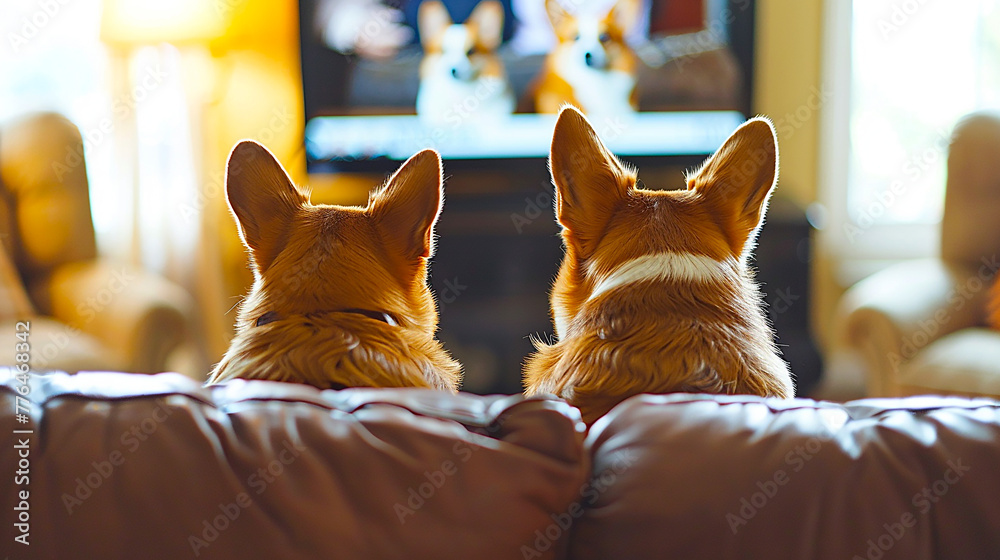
(58, 346)
(966, 362)
(42, 170)
(99, 314)
(53, 345)
(970, 230)
(14, 302)
(919, 325)
(138, 316)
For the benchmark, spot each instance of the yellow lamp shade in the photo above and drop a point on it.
(145, 22)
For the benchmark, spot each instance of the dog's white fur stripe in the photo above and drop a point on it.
(455, 41)
(663, 266)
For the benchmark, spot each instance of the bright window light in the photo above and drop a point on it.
(53, 60)
(917, 67)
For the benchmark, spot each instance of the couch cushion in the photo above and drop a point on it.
(126, 466)
(966, 362)
(715, 477)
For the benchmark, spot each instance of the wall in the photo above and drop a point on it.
(787, 87)
(256, 94)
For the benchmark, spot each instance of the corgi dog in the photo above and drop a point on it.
(461, 77)
(591, 67)
(654, 294)
(340, 295)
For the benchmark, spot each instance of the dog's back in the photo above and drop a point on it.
(340, 295)
(654, 294)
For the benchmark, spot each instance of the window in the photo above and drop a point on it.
(131, 116)
(917, 66)
(53, 60)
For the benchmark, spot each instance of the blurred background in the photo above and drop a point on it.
(116, 117)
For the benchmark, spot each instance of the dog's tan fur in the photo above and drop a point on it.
(657, 336)
(451, 72)
(485, 26)
(314, 264)
(553, 91)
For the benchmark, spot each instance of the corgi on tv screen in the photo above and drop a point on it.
(480, 79)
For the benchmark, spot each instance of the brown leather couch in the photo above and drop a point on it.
(150, 467)
(86, 312)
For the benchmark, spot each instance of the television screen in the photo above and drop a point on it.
(482, 79)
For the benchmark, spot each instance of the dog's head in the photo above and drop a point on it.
(461, 52)
(608, 219)
(596, 41)
(320, 258)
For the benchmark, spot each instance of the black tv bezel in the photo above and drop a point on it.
(742, 37)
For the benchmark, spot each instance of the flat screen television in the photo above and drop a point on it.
(480, 80)
(670, 80)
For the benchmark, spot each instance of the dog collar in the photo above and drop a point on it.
(272, 316)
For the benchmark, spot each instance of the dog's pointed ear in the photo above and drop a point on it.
(263, 199)
(625, 15)
(738, 179)
(560, 18)
(432, 19)
(407, 207)
(487, 17)
(590, 181)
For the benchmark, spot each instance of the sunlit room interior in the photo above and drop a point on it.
(876, 260)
